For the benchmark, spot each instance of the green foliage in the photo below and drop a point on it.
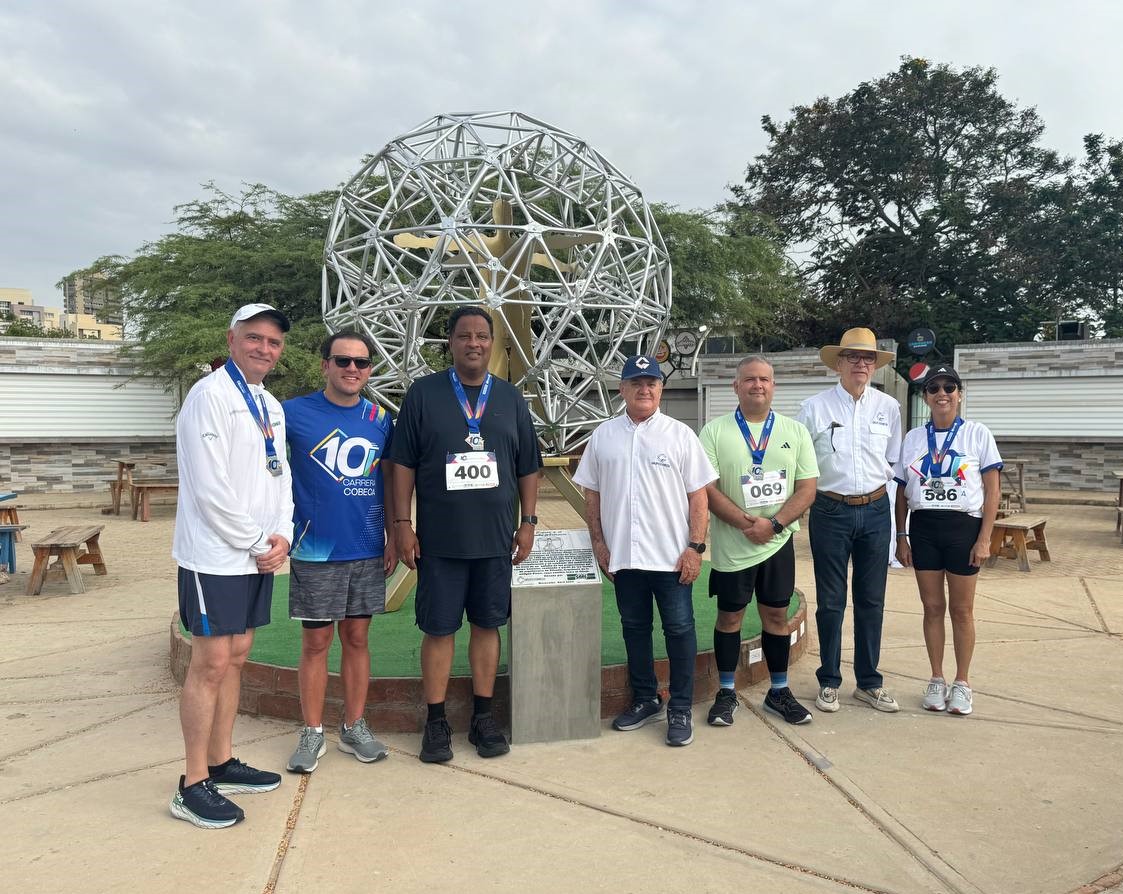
(20, 328)
(180, 291)
(728, 272)
(923, 197)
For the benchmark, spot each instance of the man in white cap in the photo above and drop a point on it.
(856, 430)
(645, 477)
(233, 528)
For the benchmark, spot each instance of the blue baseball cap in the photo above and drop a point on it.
(639, 366)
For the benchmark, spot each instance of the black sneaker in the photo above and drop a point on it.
(236, 778)
(680, 728)
(639, 713)
(202, 805)
(725, 706)
(783, 703)
(485, 735)
(436, 742)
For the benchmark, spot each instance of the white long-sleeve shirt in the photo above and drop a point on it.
(857, 442)
(229, 502)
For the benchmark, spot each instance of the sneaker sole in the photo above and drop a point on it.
(180, 811)
(497, 751)
(934, 708)
(347, 749)
(720, 721)
(682, 743)
(827, 707)
(654, 718)
(240, 788)
(803, 721)
(957, 713)
(438, 758)
(295, 769)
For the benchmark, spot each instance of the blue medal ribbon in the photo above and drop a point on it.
(756, 449)
(260, 416)
(937, 458)
(472, 418)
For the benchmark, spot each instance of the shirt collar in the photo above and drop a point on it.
(845, 396)
(632, 424)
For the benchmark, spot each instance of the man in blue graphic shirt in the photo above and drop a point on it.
(340, 558)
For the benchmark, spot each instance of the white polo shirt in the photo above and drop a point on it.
(644, 473)
(857, 442)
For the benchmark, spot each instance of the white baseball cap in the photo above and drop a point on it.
(249, 311)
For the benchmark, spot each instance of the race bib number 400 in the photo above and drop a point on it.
(767, 489)
(940, 493)
(471, 471)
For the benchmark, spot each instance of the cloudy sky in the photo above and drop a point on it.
(114, 111)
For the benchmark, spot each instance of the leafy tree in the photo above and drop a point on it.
(728, 272)
(21, 328)
(179, 292)
(1100, 222)
(918, 198)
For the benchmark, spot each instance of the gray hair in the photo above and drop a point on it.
(756, 358)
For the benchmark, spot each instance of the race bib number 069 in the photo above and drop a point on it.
(474, 470)
(767, 490)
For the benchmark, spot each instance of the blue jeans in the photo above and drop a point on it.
(839, 534)
(635, 590)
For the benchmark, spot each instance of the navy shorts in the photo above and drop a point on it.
(447, 589)
(941, 540)
(224, 604)
(773, 580)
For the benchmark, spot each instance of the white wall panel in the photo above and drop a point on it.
(721, 399)
(37, 405)
(1047, 407)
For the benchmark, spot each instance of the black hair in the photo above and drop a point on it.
(469, 310)
(329, 342)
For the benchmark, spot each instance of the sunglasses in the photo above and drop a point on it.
(935, 389)
(344, 362)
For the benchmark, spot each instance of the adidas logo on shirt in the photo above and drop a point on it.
(785, 446)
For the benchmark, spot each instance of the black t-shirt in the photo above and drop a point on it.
(464, 524)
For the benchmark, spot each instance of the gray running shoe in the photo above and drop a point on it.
(640, 713)
(680, 727)
(309, 750)
(959, 702)
(827, 699)
(935, 695)
(879, 699)
(359, 741)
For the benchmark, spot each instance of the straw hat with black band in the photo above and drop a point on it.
(856, 339)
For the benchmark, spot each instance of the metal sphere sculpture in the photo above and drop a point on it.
(502, 210)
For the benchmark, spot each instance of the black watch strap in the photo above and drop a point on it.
(530, 520)
(697, 547)
(776, 526)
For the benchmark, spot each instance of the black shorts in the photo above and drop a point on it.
(941, 540)
(449, 588)
(773, 580)
(224, 604)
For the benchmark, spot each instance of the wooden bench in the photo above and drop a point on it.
(1009, 540)
(9, 534)
(9, 515)
(143, 490)
(65, 544)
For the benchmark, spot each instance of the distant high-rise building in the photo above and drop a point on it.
(94, 296)
(20, 304)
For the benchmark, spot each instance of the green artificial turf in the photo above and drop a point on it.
(395, 641)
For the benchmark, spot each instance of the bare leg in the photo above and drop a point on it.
(313, 672)
(773, 619)
(483, 657)
(961, 599)
(354, 667)
(729, 622)
(436, 666)
(931, 585)
(210, 659)
(226, 709)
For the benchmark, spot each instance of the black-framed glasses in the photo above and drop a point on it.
(855, 359)
(949, 388)
(344, 362)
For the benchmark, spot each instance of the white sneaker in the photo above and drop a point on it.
(827, 700)
(878, 699)
(936, 695)
(960, 700)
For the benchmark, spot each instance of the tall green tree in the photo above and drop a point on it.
(179, 292)
(909, 197)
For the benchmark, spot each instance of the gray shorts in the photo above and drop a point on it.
(332, 591)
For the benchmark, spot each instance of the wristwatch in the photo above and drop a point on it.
(776, 526)
(697, 547)
(530, 519)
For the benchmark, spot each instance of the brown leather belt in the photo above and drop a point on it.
(859, 500)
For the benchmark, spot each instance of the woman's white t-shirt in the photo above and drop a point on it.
(956, 484)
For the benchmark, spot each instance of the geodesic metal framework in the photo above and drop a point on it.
(503, 210)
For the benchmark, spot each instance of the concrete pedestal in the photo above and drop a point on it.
(555, 662)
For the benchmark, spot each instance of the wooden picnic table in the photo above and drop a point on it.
(9, 513)
(1118, 473)
(1014, 486)
(125, 466)
(66, 545)
(143, 488)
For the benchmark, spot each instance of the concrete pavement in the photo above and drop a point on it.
(1023, 796)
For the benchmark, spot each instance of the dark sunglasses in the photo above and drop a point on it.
(935, 389)
(344, 362)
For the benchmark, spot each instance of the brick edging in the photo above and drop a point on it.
(396, 704)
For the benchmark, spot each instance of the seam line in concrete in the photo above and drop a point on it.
(1095, 607)
(72, 649)
(286, 838)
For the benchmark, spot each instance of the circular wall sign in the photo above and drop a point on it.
(921, 341)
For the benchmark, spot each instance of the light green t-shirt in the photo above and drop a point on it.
(789, 450)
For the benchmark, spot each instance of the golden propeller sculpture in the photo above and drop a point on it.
(502, 262)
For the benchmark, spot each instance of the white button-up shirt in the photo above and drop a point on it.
(643, 473)
(857, 442)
